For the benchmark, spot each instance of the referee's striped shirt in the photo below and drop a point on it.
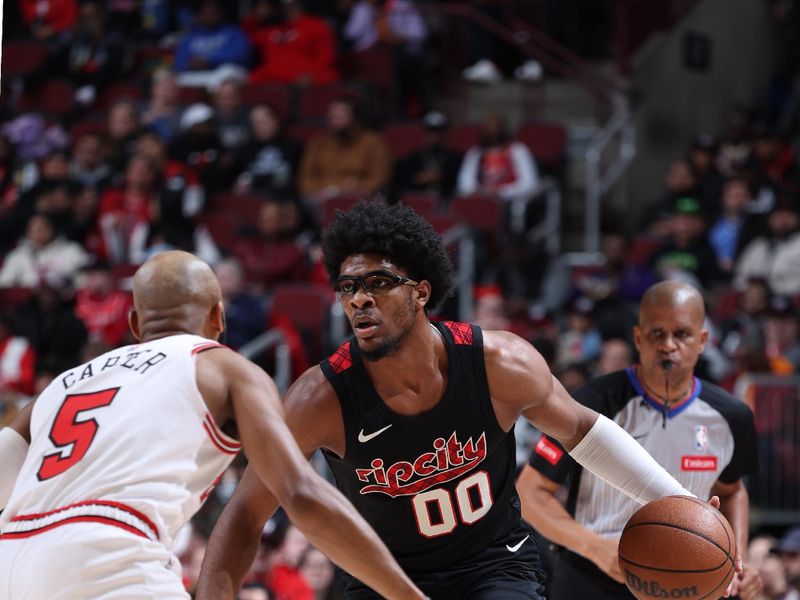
(705, 437)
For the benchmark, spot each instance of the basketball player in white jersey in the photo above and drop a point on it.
(117, 454)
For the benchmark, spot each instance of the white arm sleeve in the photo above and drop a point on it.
(610, 453)
(13, 449)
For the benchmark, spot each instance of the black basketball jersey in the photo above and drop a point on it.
(437, 487)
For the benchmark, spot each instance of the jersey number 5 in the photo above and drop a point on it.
(67, 431)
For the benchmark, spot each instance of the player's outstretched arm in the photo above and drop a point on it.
(14, 441)
(547, 515)
(520, 381)
(320, 511)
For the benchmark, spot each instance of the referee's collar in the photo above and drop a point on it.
(676, 408)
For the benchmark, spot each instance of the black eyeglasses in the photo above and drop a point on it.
(374, 283)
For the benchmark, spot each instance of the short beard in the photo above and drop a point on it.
(389, 347)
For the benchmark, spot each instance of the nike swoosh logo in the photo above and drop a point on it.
(365, 438)
(516, 547)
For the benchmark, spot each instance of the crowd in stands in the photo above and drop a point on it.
(130, 128)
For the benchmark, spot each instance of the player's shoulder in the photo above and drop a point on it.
(725, 403)
(506, 348)
(311, 393)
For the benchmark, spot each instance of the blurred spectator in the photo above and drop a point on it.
(788, 549)
(295, 47)
(746, 325)
(46, 20)
(33, 140)
(48, 321)
(490, 308)
(230, 113)
(400, 25)
(580, 342)
(121, 130)
(198, 145)
(782, 339)
(88, 166)
(261, 14)
(41, 254)
(125, 213)
(161, 113)
(8, 174)
(615, 355)
(776, 255)
(703, 162)
(771, 159)
(253, 591)
(318, 571)
(498, 165)
(679, 182)
(573, 376)
(102, 308)
(271, 254)
(735, 143)
(435, 167)
(616, 286)
(687, 254)
(346, 159)
(90, 57)
(730, 232)
(245, 313)
(270, 159)
(210, 43)
(17, 363)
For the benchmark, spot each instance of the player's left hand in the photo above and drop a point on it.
(747, 584)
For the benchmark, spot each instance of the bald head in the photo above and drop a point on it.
(675, 295)
(174, 292)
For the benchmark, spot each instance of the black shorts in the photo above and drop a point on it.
(496, 573)
(576, 578)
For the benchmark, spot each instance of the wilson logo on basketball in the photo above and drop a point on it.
(548, 450)
(698, 463)
(449, 460)
(654, 589)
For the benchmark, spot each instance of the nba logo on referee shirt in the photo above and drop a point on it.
(701, 438)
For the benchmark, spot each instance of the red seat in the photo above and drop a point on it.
(483, 213)
(55, 97)
(119, 91)
(461, 138)
(404, 138)
(375, 66)
(442, 222)
(12, 297)
(303, 133)
(191, 95)
(95, 125)
(223, 226)
(277, 96)
(308, 306)
(726, 304)
(546, 141)
(245, 207)
(314, 101)
(642, 248)
(22, 56)
(424, 204)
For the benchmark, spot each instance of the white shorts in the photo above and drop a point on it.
(88, 561)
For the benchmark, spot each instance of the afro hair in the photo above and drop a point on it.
(396, 233)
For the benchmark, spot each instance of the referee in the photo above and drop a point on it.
(700, 434)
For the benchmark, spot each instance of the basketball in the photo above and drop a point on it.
(677, 547)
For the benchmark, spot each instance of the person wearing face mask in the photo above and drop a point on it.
(346, 159)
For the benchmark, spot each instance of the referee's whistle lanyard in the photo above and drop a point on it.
(666, 401)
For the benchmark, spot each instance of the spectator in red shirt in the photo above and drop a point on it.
(125, 213)
(46, 19)
(300, 49)
(102, 308)
(17, 363)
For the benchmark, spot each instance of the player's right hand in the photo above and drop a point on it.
(605, 554)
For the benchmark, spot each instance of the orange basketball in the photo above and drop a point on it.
(677, 547)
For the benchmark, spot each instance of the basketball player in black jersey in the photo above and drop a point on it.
(416, 421)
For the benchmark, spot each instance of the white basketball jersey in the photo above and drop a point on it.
(125, 439)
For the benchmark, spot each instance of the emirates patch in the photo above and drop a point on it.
(698, 463)
(548, 450)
